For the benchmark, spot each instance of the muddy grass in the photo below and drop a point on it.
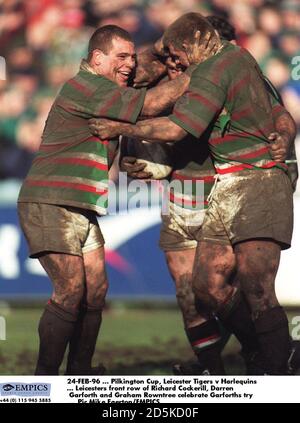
(132, 342)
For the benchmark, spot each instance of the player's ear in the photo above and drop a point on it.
(97, 57)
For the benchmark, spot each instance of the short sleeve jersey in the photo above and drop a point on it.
(71, 166)
(231, 81)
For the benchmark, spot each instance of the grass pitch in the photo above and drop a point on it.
(133, 341)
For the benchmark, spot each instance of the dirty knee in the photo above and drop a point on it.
(69, 294)
(96, 294)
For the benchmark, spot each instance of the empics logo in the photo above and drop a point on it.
(2, 69)
(25, 389)
(7, 387)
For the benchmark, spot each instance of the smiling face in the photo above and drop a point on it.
(118, 64)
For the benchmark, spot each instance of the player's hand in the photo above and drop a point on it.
(148, 73)
(150, 65)
(104, 128)
(279, 147)
(134, 169)
(203, 48)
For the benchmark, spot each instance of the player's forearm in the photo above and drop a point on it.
(153, 130)
(151, 65)
(150, 69)
(165, 95)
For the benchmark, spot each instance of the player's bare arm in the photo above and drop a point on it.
(150, 129)
(151, 65)
(284, 137)
(165, 95)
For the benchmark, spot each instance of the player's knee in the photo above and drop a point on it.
(214, 279)
(258, 283)
(69, 295)
(260, 298)
(215, 273)
(219, 258)
(222, 268)
(96, 292)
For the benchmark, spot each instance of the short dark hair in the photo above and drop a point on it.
(224, 28)
(103, 36)
(183, 30)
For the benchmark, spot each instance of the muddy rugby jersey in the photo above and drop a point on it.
(71, 166)
(232, 80)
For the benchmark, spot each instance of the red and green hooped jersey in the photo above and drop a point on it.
(71, 166)
(232, 80)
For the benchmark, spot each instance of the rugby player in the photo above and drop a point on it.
(251, 205)
(180, 232)
(66, 189)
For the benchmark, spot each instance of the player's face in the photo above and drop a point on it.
(179, 57)
(173, 69)
(120, 62)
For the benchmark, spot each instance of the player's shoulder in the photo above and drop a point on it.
(227, 53)
(85, 85)
(221, 67)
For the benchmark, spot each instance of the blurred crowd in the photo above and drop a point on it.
(43, 41)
